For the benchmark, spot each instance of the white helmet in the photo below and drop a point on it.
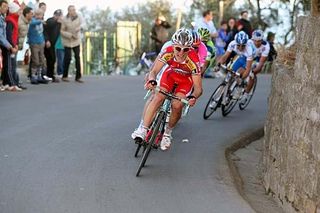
(182, 37)
(257, 35)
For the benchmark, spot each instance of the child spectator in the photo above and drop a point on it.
(36, 42)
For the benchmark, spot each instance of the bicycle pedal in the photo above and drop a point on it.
(138, 141)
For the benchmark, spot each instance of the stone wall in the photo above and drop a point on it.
(291, 155)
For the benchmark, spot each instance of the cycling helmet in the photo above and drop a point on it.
(204, 34)
(257, 35)
(241, 38)
(182, 37)
(196, 38)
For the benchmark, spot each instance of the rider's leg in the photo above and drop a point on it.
(176, 111)
(152, 109)
(152, 95)
(250, 84)
(184, 87)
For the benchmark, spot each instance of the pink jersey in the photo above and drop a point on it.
(202, 53)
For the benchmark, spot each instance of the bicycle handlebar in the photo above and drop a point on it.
(230, 70)
(158, 89)
(184, 101)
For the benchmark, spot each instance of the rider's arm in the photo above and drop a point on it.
(263, 58)
(197, 86)
(157, 66)
(224, 58)
(248, 68)
(260, 65)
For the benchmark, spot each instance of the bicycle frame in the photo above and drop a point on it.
(165, 107)
(231, 75)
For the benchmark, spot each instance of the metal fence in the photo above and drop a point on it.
(111, 51)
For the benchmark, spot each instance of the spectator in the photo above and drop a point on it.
(12, 36)
(232, 30)
(273, 53)
(70, 34)
(8, 80)
(51, 33)
(60, 55)
(159, 33)
(207, 23)
(244, 24)
(221, 39)
(37, 42)
(23, 25)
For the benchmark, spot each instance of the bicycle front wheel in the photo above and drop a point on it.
(245, 103)
(230, 104)
(155, 131)
(214, 102)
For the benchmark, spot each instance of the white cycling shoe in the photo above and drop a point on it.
(165, 142)
(139, 133)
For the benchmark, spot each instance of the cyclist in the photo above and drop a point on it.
(261, 52)
(242, 62)
(200, 48)
(197, 45)
(183, 69)
(206, 39)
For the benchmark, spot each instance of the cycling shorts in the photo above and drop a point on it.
(239, 62)
(184, 82)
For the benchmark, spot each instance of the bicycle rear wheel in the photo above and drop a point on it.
(243, 105)
(155, 131)
(228, 107)
(214, 102)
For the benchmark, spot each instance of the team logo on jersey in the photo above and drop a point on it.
(191, 65)
(167, 56)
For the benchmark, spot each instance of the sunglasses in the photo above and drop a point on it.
(241, 45)
(179, 49)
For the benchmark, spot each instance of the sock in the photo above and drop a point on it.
(168, 131)
(145, 128)
(140, 124)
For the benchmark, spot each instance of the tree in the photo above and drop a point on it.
(145, 13)
(98, 20)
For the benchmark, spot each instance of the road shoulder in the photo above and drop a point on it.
(244, 158)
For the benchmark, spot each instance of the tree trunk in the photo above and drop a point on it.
(315, 7)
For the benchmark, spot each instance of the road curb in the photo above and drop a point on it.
(241, 142)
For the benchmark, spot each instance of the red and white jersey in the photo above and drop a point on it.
(190, 66)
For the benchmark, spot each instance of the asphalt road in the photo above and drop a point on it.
(66, 148)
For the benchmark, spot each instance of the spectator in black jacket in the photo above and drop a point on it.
(272, 53)
(244, 24)
(159, 33)
(51, 34)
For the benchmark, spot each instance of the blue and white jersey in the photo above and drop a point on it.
(248, 51)
(262, 51)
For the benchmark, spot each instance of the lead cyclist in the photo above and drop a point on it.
(182, 67)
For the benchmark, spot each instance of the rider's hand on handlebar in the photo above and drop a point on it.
(216, 68)
(192, 100)
(151, 84)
